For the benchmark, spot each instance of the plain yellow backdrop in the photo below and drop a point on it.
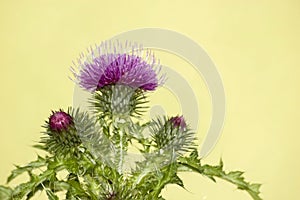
(255, 45)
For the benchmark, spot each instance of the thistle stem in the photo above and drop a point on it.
(120, 166)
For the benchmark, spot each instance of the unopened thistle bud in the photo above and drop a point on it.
(61, 133)
(179, 122)
(60, 121)
(172, 134)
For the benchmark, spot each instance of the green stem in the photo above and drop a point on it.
(120, 166)
(163, 182)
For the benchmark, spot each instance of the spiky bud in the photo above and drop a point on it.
(179, 122)
(61, 135)
(60, 121)
(172, 134)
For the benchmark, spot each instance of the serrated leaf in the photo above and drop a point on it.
(59, 186)
(5, 193)
(33, 185)
(212, 172)
(221, 164)
(235, 174)
(40, 162)
(255, 187)
(75, 190)
(23, 189)
(51, 195)
(176, 180)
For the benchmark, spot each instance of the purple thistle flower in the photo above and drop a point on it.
(60, 121)
(178, 121)
(111, 63)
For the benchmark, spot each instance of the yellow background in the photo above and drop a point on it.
(255, 45)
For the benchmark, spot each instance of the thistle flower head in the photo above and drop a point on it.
(112, 63)
(60, 121)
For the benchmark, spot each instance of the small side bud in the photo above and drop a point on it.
(60, 121)
(179, 122)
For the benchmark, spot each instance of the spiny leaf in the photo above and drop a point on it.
(23, 189)
(57, 186)
(190, 163)
(75, 190)
(255, 187)
(33, 185)
(5, 193)
(40, 162)
(176, 180)
(212, 172)
(51, 195)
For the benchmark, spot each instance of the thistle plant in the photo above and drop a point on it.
(92, 147)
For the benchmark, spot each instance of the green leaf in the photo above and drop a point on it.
(75, 189)
(190, 163)
(255, 187)
(168, 176)
(40, 162)
(5, 193)
(235, 177)
(35, 183)
(176, 180)
(51, 195)
(59, 186)
(22, 190)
